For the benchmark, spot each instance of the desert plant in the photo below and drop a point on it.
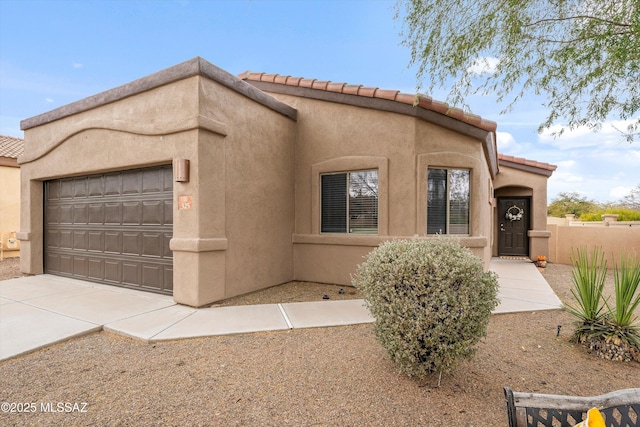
(627, 280)
(610, 330)
(431, 300)
(589, 274)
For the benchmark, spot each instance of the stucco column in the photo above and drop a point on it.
(31, 224)
(199, 242)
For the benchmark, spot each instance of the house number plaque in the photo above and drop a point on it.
(185, 203)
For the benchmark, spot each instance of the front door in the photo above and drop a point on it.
(513, 225)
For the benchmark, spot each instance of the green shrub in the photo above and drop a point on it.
(431, 300)
(623, 215)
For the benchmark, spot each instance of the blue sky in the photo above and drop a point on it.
(55, 52)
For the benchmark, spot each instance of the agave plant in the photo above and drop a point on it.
(588, 274)
(627, 281)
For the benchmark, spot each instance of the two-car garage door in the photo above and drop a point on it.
(112, 228)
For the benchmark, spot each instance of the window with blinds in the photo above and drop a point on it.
(349, 202)
(448, 201)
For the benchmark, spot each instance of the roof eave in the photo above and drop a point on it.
(194, 67)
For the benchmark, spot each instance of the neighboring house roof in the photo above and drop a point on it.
(10, 149)
(526, 164)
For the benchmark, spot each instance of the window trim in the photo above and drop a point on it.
(450, 160)
(351, 164)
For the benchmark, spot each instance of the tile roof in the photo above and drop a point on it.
(421, 101)
(502, 158)
(11, 147)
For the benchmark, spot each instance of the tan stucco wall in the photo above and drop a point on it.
(511, 182)
(237, 235)
(614, 241)
(334, 137)
(9, 208)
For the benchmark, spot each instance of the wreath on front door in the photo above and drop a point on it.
(514, 213)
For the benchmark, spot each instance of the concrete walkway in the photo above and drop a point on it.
(38, 311)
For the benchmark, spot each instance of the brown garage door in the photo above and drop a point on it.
(112, 228)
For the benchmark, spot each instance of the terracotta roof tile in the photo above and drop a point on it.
(369, 92)
(281, 79)
(336, 87)
(527, 162)
(11, 147)
(421, 101)
(320, 84)
(351, 89)
(406, 98)
(294, 81)
(306, 83)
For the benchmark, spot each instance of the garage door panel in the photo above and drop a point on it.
(80, 240)
(80, 266)
(113, 213)
(131, 213)
(152, 244)
(168, 212)
(80, 189)
(65, 240)
(131, 183)
(151, 275)
(131, 273)
(80, 215)
(113, 228)
(95, 213)
(95, 269)
(52, 214)
(153, 212)
(112, 271)
(65, 214)
(96, 186)
(131, 241)
(95, 241)
(112, 185)
(65, 264)
(168, 278)
(65, 189)
(113, 242)
(152, 181)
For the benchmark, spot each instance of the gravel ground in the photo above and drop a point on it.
(322, 377)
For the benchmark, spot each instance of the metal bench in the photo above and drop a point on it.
(619, 408)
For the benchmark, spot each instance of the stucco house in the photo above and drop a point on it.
(200, 184)
(10, 149)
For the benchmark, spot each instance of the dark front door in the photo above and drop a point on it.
(513, 225)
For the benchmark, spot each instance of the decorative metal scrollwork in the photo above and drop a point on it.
(514, 213)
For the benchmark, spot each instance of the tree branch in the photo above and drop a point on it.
(577, 39)
(570, 18)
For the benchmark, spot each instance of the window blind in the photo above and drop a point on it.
(448, 201)
(334, 203)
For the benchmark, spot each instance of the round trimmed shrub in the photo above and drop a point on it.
(431, 300)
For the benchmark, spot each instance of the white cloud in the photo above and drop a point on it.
(566, 164)
(504, 140)
(619, 192)
(611, 134)
(77, 65)
(486, 64)
(48, 100)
